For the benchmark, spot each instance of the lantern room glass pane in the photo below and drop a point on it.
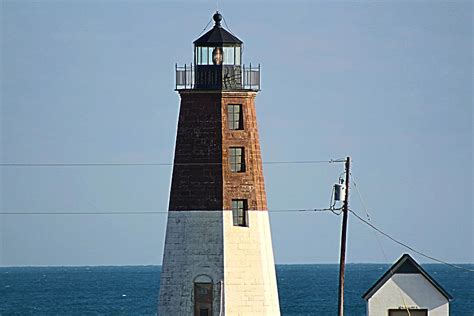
(204, 55)
(209, 56)
(237, 55)
(229, 56)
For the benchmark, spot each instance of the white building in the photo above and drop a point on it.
(407, 290)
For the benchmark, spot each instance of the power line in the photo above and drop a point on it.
(83, 164)
(83, 213)
(157, 164)
(301, 162)
(368, 222)
(378, 240)
(360, 197)
(368, 218)
(228, 28)
(205, 27)
(156, 212)
(406, 246)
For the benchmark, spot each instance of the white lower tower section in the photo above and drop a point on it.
(249, 269)
(193, 248)
(205, 245)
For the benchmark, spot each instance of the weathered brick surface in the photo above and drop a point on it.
(249, 184)
(202, 179)
(197, 174)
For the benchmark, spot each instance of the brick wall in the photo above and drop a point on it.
(201, 176)
(197, 184)
(249, 184)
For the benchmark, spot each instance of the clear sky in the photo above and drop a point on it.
(388, 83)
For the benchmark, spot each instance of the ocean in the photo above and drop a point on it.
(133, 290)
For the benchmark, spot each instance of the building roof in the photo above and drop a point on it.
(217, 35)
(405, 265)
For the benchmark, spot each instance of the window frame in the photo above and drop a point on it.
(234, 124)
(237, 161)
(203, 300)
(240, 212)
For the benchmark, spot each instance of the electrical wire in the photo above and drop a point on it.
(360, 196)
(205, 27)
(156, 164)
(303, 210)
(386, 235)
(228, 28)
(156, 212)
(407, 246)
(379, 242)
(81, 164)
(82, 213)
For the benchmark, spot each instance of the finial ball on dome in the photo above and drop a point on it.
(217, 18)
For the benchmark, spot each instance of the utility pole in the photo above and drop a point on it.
(342, 263)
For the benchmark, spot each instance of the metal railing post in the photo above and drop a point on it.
(243, 77)
(250, 75)
(258, 76)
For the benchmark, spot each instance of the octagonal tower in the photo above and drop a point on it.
(218, 256)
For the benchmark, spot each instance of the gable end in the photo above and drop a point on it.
(405, 265)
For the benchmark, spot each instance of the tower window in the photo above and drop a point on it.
(203, 299)
(237, 159)
(239, 212)
(235, 117)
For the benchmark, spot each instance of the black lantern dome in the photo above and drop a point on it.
(217, 36)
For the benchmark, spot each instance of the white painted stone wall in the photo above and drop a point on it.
(412, 290)
(207, 242)
(193, 247)
(250, 286)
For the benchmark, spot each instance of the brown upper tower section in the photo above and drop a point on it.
(217, 162)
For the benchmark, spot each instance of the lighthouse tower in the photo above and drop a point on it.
(218, 257)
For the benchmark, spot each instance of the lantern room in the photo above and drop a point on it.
(218, 63)
(217, 47)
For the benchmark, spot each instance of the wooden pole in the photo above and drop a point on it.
(342, 262)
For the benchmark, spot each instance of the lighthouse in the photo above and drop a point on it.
(218, 256)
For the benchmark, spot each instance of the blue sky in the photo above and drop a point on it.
(388, 83)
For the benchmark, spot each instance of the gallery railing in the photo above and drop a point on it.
(225, 77)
